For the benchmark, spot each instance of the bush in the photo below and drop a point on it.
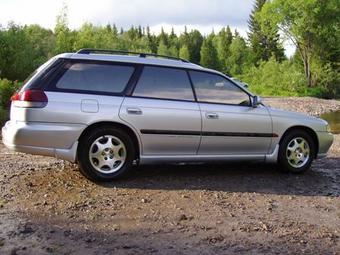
(3, 116)
(272, 78)
(328, 80)
(7, 89)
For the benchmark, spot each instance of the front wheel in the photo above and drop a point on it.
(297, 151)
(105, 154)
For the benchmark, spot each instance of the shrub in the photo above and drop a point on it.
(272, 78)
(7, 89)
(3, 116)
(328, 80)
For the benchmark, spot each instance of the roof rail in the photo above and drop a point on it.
(122, 52)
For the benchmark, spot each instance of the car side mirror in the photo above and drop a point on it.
(256, 101)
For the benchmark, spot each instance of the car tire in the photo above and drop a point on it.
(105, 154)
(297, 151)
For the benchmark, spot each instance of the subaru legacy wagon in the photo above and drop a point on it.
(107, 110)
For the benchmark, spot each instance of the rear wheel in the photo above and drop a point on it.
(105, 154)
(297, 151)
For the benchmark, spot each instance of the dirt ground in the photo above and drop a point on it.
(47, 207)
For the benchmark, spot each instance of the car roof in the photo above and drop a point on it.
(133, 59)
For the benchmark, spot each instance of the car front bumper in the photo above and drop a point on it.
(325, 142)
(50, 139)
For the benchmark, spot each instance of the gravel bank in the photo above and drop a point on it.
(47, 207)
(309, 105)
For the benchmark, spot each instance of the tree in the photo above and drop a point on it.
(194, 45)
(263, 45)
(239, 56)
(163, 38)
(312, 26)
(16, 53)
(42, 42)
(173, 51)
(151, 40)
(173, 44)
(64, 40)
(184, 52)
(85, 37)
(163, 49)
(209, 54)
(223, 42)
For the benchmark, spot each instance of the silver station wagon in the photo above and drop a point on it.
(107, 110)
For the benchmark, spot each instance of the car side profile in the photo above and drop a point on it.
(106, 110)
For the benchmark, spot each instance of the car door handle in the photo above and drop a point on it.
(211, 115)
(135, 111)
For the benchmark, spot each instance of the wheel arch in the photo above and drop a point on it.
(121, 126)
(308, 130)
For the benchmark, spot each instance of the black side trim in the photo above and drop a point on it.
(239, 134)
(175, 132)
(169, 132)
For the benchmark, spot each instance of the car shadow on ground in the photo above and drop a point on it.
(321, 180)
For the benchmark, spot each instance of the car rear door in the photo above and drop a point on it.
(230, 125)
(163, 111)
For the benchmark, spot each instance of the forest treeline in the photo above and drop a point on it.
(258, 60)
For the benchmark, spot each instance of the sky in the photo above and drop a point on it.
(204, 15)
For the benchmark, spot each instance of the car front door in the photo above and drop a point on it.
(230, 125)
(163, 111)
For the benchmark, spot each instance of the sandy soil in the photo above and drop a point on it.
(47, 207)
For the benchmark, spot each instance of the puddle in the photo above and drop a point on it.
(333, 119)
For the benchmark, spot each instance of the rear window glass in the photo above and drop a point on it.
(30, 81)
(95, 77)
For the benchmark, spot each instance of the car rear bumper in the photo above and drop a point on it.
(325, 142)
(50, 139)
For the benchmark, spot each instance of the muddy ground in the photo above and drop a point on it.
(47, 207)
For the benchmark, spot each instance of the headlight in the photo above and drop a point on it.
(328, 128)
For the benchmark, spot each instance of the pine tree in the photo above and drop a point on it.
(64, 41)
(223, 41)
(173, 44)
(263, 45)
(114, 31)
(163, 37)
(140, 31)
(163, 49)
(173, 51)
(209, 56)
(194, 46)
(238, 57)
(151, 40)
(184, 52)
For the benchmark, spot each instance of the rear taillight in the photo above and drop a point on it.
(30, 98)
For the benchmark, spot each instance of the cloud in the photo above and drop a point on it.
(204, 15)
(176, 12)
(131, 12)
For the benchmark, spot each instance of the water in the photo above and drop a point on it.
(333, 119)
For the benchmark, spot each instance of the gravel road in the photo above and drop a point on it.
(47, 207)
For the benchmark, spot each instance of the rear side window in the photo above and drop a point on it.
(164, 83)
(95, 77)
(33, 81)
